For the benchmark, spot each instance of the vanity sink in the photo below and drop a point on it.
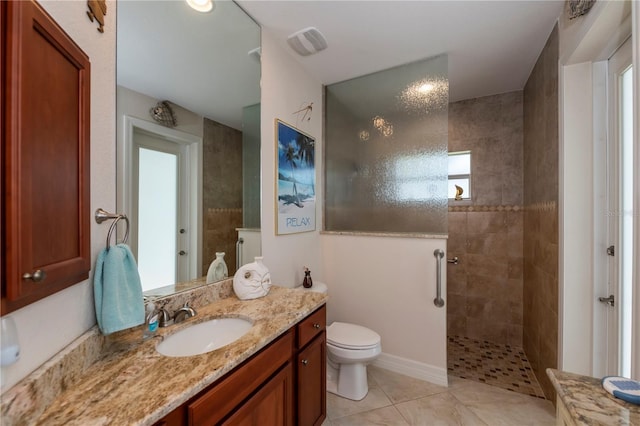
(204, 337)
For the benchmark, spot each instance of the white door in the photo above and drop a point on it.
(160, 212)
(618, 297)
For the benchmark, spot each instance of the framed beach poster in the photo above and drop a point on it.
(296, 180)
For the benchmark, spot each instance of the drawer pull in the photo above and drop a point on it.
(316, 325)
(305, 361)
(37, 276)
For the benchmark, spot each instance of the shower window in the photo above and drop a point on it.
(386, 150)
(459, 174)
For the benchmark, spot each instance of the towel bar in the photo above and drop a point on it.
(102, 215)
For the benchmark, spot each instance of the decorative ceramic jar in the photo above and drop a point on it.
(252, 280)
(218, 269)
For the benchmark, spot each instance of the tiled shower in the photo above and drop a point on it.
(502, 295)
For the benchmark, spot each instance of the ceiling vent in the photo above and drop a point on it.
(307, 41)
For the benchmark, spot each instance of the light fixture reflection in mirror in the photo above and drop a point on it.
(200, 64)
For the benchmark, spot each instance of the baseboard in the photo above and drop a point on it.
(412, 368)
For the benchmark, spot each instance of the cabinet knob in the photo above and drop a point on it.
(316, 325)
(37, 276)
(305, 361)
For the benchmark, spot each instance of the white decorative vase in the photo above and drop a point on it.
(252, 280)
(218, 269)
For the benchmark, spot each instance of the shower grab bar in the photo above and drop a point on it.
(239, 252)
(438, 301)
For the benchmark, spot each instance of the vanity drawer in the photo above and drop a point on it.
(311, 326)
(224, 397)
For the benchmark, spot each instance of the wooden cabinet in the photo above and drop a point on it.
(45, 156)
(282, 385)
(311, 379)
(212, 406)
(270, 406)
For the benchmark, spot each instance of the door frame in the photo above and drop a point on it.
(585, 43)
(193, 146)
(619, 60)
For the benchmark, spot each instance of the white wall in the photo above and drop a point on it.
(576, 220)
(286, 88)
(47, 326)
(388, 285)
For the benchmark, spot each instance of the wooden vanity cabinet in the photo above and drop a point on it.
(252, 377)
(282, 385)
(311, 378)
(45, 100)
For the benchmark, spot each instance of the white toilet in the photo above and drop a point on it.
(350, 348)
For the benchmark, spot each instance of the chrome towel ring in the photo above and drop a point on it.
(102, 215)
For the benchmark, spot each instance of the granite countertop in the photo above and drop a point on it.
(131, 383)
(589, 404)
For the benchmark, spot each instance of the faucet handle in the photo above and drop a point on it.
(191, 310)
(183, 313)
(165, 318)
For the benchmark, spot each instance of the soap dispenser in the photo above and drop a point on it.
(151, 321)
(307, 282)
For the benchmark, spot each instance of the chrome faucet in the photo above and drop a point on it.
(184, 313)
(165, 318)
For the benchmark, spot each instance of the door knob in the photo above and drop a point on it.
(182, 252)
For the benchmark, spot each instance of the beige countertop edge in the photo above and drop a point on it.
(588, 403)
(134, 384)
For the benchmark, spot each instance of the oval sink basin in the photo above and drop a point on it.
(204, 337)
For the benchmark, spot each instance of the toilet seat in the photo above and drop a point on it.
(351, 336)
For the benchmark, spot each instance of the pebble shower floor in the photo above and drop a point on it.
(498, 365)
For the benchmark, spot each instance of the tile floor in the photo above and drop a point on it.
(398, 400)
(499, 365)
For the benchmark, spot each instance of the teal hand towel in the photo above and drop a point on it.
(117, 290)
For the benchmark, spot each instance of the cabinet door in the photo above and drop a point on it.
(271, 406)
(216, 403)
(45, 159)
(312, 383)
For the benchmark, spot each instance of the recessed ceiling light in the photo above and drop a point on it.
(201, 5)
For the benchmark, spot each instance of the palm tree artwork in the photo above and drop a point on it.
(291, 155)
(296, 178)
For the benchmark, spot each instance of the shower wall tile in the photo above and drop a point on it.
(222, 192)
(540, 230)
(486, 286)
(220, 236)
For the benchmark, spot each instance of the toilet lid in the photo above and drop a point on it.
(351, 336)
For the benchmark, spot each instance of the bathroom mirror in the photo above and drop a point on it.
(188, 179)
